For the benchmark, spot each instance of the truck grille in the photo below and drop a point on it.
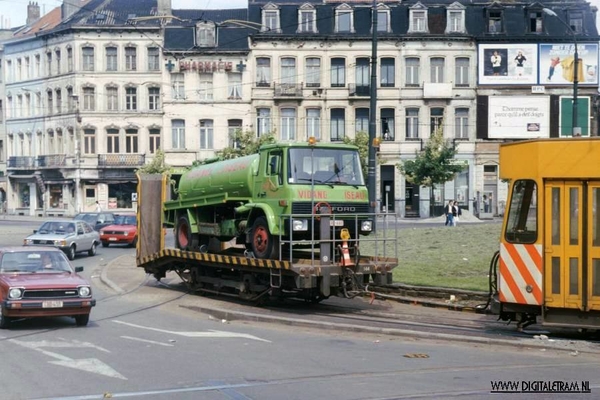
(338, 208)
(50, 293)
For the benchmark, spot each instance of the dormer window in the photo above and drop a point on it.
(494, 22)
(418, 18)
(536, 21)
(205, 34)
(344, 19)
(455, 15)
(576, 21)
(307, 19)
(270, 18)
(383, 18)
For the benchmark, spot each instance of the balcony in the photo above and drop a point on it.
(21, 162)
(288, 91)
(437, 90)
(121, 160)
(54, 160)
(359, 90)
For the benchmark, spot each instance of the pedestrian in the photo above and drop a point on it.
(486, 204)
(449, 213)
(98, 208)
(456, 213)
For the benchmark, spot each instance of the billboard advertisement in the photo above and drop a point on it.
(557, 66)
(519, 117)
(508, 64)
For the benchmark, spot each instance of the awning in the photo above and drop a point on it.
(20, 176)
(58, 181)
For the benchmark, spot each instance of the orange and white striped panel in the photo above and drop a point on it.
(520, 279)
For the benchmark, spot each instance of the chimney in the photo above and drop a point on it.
(163, 7)
(33, 12)
(70, 7)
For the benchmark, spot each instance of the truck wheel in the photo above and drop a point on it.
(184, 238)
(263, 244)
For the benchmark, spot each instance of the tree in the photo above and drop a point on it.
(246, 143)
(433, 165)
(156, 166)
(361, 140)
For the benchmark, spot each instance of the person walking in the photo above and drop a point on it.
(456, 213)
(98, 208)
(449, 210)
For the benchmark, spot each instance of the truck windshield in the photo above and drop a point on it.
(324, 166)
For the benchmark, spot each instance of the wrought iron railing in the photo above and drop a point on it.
(121, 160)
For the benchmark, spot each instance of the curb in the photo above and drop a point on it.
(104, 275)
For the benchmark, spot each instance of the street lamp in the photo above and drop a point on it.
(576, 129)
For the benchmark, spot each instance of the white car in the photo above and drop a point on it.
(70, 236)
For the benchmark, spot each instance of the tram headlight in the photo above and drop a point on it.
(299, 225)
(366, 226)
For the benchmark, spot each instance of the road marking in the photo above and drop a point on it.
(208, 334)
(147, 341)
(92, 365)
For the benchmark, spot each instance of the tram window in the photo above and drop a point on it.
(522, 214)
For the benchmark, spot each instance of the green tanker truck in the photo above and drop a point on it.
(272, 200)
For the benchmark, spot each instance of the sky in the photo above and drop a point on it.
(14, 12)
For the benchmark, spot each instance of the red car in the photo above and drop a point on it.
(40, 282)
(122, 231)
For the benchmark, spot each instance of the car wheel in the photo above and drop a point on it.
(71, 252)
(4, 321)
(92, 250)
(82, 320)
(133, 242)
(105, 244)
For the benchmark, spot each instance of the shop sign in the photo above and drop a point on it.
(206, 66)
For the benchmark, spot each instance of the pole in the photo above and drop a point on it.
(576, 129)
(372, 176)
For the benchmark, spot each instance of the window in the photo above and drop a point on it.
(535, 22)
(131, 98)
(130, 58)
(153, 140)
(154, 98)
(57, 57)
(206, 133)
(38, 66)
(89, 141)
(69, 59)
(412, 123)
(344, 19)
(338, 124)
(436, 120)
(383, 20)
(89, 99)
(361, 121)
(205, 34)
(418, 19)
(495, 21)
(263, 72)
(178, 134)
(112, 141)
(313, 123)
(461, 123)
(363, 78)
(338, 72)
(288, 124)
(263, 121)
(521, 223)
(461, 72)
(234, 126)
(270, 18)
(27, 71)
(455, 15)
(313, 72)
(388, 76)
(307, 19)
(288, 71)
(131, 141)
(88, 58)
(58, 101)
(387, 124)
(205, 91)
(412, 71)
(576, 21)
(50, 102)
(437, 70)
(111, 58)
(112, 98)
(177, 82)
(48, 65)
(153, 59)
(234, 90)
(70, 100)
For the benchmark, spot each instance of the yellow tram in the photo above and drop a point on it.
(549, 259)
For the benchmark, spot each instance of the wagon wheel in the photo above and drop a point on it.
(184, 238)
(263, 243)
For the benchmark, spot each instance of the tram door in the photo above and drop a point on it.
(572, 245)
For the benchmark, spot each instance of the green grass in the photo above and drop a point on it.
(456, 257)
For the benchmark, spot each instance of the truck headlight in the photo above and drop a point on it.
(27, 242)
(15, 293)
(366, 226)
(299, 225)
(84, 291)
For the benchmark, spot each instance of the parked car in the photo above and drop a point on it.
(40, 282)
(70, 236)
(97, 220)
(123, 231)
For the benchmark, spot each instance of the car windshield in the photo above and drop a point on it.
(89, 218)
(34, 262)
(56, 227)
(125, 220)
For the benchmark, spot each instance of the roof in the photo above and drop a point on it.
(45, 23)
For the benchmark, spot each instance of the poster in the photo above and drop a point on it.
(508, 64)
(557, 66)
(519, 117)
